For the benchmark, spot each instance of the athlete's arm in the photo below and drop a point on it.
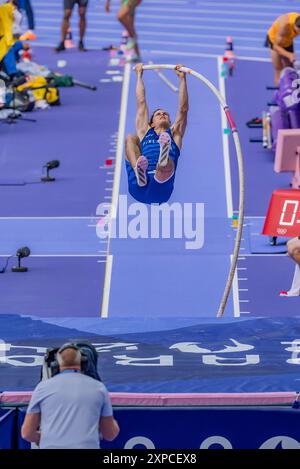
(108, 428)
(178, 129)
(30, 428)
(281, 34)
(142, 115)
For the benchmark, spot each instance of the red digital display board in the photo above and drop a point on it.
(283, 217)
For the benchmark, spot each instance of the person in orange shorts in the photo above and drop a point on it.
(280, 39)
(126, 17)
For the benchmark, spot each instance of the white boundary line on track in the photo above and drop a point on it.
(168, 34)
(228, 187)
(167, 26)
(211, 3)
(235, 294)
(225, 140)
(200, 54)
(116, 186)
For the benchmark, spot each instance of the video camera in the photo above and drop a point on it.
(89, 359)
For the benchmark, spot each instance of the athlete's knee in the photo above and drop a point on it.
(293, 246)
(168, 168)
(121, 15)
(67, 15)
(164, 174)
(82, 13)
(131, 138)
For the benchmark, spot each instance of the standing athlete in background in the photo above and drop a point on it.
(68, 8)
(280, 39)
(126, 17)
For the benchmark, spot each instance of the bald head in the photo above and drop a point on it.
(69, 358)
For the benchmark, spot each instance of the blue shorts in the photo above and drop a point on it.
(154, 192)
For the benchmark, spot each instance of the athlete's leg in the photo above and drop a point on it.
(65, 24)
(82, 23)
(293, 246)
(278, 65)
(126, 18)
(286, 62)
(138, 162)
(164, 173)
(132, 149)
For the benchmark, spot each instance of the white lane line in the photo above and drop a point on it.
(167, 52)
(163, 25)
(228, 188)
(255, 5)
(213, 11)
(145, 42)
(244, 301)
(169, 34)
(200, 54)
(214, 19)
(235, 294)
(106, 289)
(184, 4)
(116, 186)
(225, 141)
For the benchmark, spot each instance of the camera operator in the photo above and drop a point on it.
(69, 410)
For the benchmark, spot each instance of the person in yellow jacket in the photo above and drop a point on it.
(280, 39)
(6, 28)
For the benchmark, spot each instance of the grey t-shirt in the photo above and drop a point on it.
(71, 405)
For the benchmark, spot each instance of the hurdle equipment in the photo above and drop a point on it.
(240, 162)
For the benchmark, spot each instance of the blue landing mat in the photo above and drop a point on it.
(255, 355)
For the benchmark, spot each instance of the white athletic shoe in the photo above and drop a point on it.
(288, 293)
(141, 171)
(131, 42)
(165, 143)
